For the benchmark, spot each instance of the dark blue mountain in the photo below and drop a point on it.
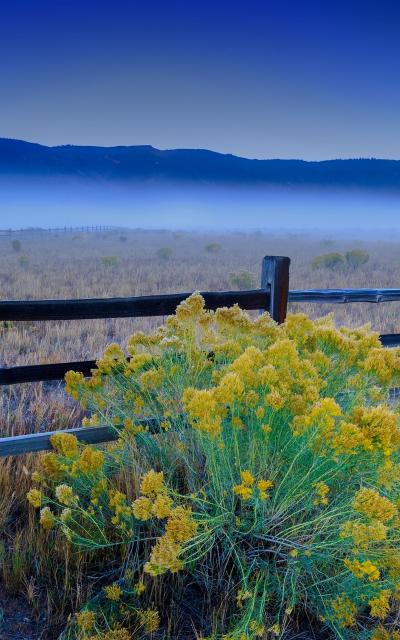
(145, 163)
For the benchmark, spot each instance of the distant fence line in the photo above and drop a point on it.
(273, 296)
(10, 233)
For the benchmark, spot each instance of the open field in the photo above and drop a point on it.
(127, 264)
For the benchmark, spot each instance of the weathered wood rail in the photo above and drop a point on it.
(10, 233)
(273, 296)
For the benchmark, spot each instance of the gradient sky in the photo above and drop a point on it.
(290, 78)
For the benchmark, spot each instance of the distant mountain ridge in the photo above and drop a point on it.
(146, 163)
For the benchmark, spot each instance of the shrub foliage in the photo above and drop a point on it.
(264, 489)
(328, 261)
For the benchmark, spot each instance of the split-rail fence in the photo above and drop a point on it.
(272, 296)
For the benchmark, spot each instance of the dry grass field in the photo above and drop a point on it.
(129, 263)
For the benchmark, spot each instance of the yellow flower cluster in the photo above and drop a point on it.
(388, 474)
(153, 484)
(90, 460)
(46, 518)
(149, 619)
(383, 363)
(380, 606)
(321, 490)
(65, 443)
(379, 426)
(117, 501)
(142, 508)
(73, 383)
(65, 495)
(364, 569)
(86, 619)
(50, 466)
(344, 610)
(380, 633)
(372, 505)
(180, 525)
(245, 490)
(35, 497)
(113, 592)
(201, 408)
(112, 357)
(363, 534)
(154, 502)
(165, 555)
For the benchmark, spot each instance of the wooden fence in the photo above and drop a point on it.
(35, 231)
(272, 296)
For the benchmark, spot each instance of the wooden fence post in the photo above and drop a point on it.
(275, 277)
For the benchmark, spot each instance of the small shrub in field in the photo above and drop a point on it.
(242, 279)
(328, 261)
(123, 238)
(356, 258)
(109, 261)
(213, 247)
(266, 480)
(23, 261)
(16, 245)
(164, 253)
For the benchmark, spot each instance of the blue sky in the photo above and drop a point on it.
(289, 78)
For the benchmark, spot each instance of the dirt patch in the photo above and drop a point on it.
(17, 620)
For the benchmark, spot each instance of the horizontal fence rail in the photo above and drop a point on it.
(135, 307)
(35, 231)
(44, 372)
(35, 442)
(344, 296)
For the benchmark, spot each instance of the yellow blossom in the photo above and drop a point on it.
(86, 619)
(142, 508)
(152, 484)
(162, 506)
(164, 556)
(34, 497)
(371, 504)
(91, 460)
(364, 569)
(180, 525)
(139, 588)
(322, 490)
(242, 491)
(65, 495)
(260, 412)
(113, 592)
(247, 478)
(65, 443)
(149, 619)
(380, 606)
(363, 534)
(237, 423)
(46, 518)
(50, 466)
(264, 485)
(345, 611)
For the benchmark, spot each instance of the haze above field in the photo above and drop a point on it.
(140, 186)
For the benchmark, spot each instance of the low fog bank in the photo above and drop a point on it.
(42, 203)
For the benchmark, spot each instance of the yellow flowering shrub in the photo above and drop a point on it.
(260, 463)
